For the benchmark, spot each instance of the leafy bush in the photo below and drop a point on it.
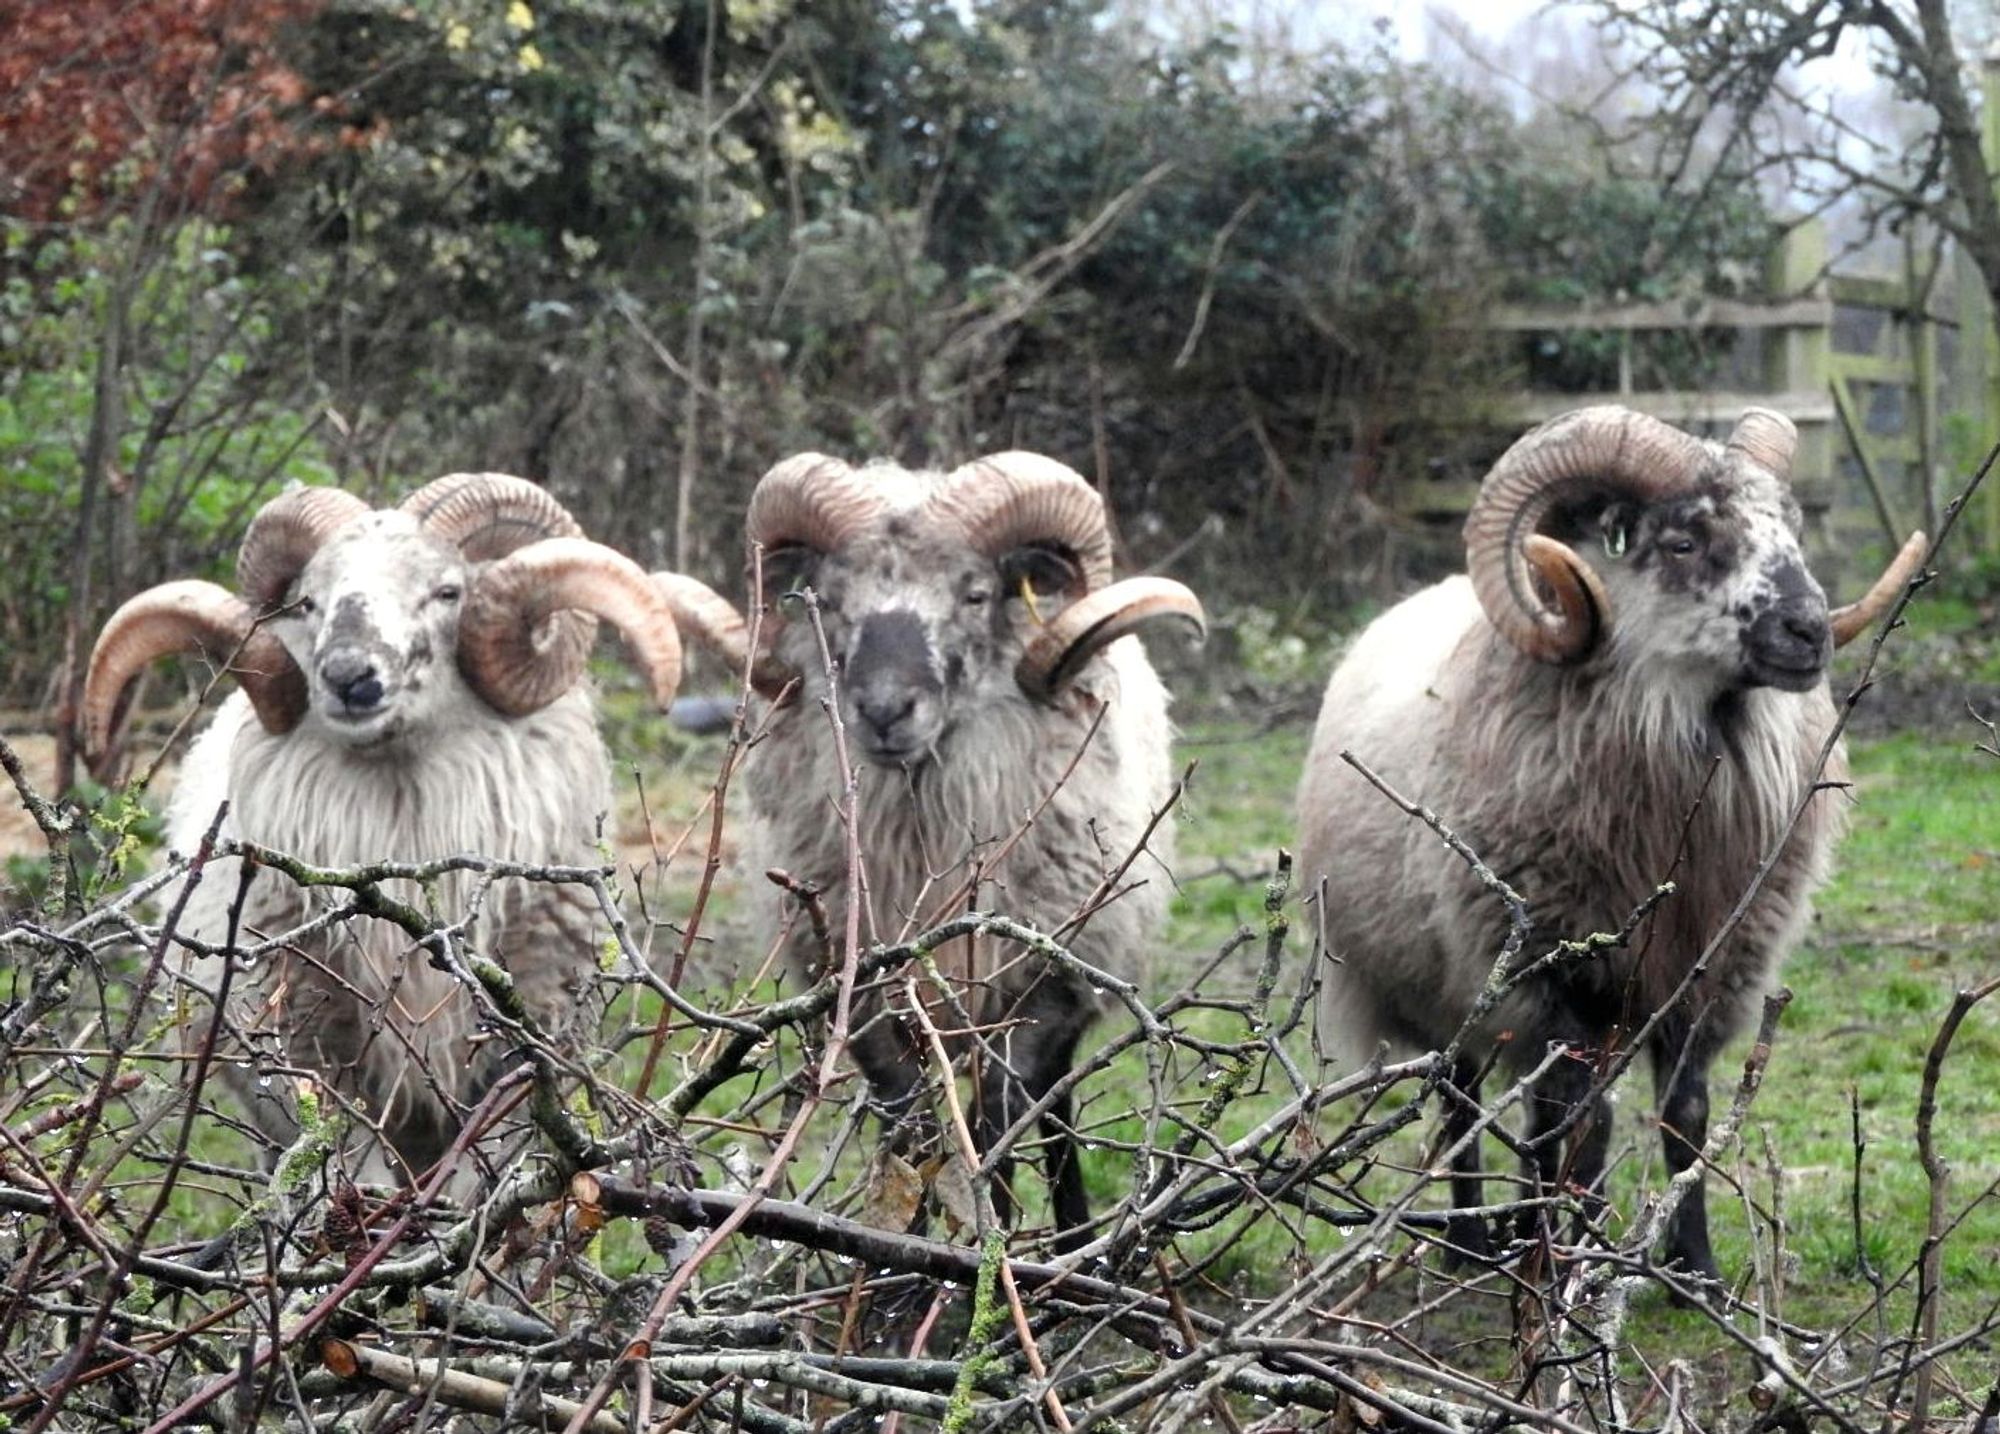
(174, 349)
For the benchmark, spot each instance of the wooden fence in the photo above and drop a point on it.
(1893, 381)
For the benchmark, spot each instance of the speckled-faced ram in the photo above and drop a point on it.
(411, 689)
(1628, 688)
(1011, 741)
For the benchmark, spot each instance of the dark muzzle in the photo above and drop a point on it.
(892, 685)
(353, 659)
(1789, 643)
(352, 676)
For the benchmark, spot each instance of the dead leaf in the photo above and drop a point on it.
(894, 1192)
(586, 1213)
(953, 1186)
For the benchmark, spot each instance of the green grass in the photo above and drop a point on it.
(1237, 813)
(1912, 914)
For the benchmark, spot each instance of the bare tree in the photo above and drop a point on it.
(1731, 94)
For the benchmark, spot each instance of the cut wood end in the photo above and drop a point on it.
(339, 1356)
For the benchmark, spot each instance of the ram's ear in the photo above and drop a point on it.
(1046, 569)
(1584, 521)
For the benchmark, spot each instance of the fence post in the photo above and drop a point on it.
(1800, 361)
(1923, 371)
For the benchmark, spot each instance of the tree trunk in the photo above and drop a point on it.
(107, 407)
(691, 403)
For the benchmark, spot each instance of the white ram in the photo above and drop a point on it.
(1628, 689)
(411, 691)
(1013, 741)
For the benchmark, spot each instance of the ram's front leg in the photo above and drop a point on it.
(1680, 1081)
(1034, 1049)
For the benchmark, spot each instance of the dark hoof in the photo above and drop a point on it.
(1468, 1244)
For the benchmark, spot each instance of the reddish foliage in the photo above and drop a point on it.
(97, 93)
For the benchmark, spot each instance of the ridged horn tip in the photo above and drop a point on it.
(710, 619)
(1570, 628)
(1059, 652)
(1855, 618)
(1768, 439)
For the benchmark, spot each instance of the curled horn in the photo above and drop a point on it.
(706, 616)
(178, 617)
(1007, 499)
(1768, 439)
(1076, 634)
(284, 535)
(1591, 449)
(202, 617)
(811, 501)
(489, 516)
(505, 649)
(1857, 617)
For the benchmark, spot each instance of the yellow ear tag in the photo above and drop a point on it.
(1028, 597)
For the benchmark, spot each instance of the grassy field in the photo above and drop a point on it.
(1913, 914)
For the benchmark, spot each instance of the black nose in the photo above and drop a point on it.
(884, 711)
(353, 678)
(1806, 624)
(1790, 643)
(1796, 627)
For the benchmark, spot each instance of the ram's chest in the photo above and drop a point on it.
(1588, 856)
(531, 795)
(923, 850)
(1014, 822)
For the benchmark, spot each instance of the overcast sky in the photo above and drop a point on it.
(1501, 20)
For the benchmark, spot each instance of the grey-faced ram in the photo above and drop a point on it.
(1013, 748)
(1628, 688)
(411, 690)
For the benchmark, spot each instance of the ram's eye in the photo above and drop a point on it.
(788, 567)
(977, 596)
(1681, 546)
(449, 592)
